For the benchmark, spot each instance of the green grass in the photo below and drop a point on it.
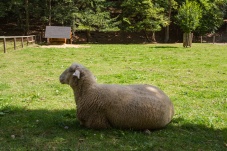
(38, 113)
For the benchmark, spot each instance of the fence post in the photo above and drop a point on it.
(34, 38)
(22, 42)
(14, 40)
(27, 40)
(213, 39)
(4, 44)
(40, 38)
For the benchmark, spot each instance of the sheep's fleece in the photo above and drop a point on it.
(100, 106)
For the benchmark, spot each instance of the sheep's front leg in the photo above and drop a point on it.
(97, 121)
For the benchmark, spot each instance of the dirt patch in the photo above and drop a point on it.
(64, 46)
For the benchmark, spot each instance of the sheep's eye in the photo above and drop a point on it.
(71, 70)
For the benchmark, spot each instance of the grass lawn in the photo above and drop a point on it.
(38, 113)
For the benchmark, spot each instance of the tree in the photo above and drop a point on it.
(2, 9)
(18, 11)
(212, 16)
(168, 6)
(27, 17)
(169, 11)
(15, 10)
(188, 17)
(142, 15)
(59, 12)
(93, 16)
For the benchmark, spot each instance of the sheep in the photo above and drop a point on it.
(102, 106)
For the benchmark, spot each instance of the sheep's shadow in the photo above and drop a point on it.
(28, 126)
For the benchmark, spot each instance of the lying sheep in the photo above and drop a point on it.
(100, 106)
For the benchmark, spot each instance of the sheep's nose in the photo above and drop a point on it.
(61, 79)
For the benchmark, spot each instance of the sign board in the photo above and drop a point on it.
(58, 32)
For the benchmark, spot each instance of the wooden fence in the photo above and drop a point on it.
(28, 39)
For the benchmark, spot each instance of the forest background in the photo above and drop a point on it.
(155, 20)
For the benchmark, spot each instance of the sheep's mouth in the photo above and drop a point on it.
(62, 81)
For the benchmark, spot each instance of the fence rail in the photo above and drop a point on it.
(29, 39)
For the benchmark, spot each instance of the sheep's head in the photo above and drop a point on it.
(71, 74)
(76, 72)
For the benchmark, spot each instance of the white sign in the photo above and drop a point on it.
(58, 32)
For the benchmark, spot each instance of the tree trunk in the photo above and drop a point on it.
(27, 18)
(153, 37)
(49, 19)
(73, 30)
(88, 35)
(73, 24)
(148, 39)
(167, 27)
(166, 34)
(73, 20)
(187, 39)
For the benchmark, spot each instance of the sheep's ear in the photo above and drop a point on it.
(77, 74)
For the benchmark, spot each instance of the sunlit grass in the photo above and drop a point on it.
(38, 113)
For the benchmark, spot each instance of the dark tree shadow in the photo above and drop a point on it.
(24, 129)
